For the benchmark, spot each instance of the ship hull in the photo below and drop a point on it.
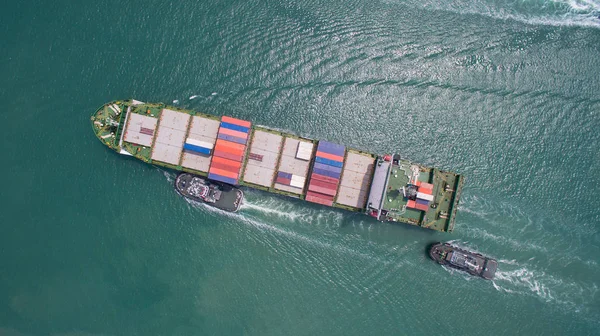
(463, 260)
(230, 198)
(238, 153)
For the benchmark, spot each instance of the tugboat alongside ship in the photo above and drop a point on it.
(218, 195)
(231, 152)
(470, 262)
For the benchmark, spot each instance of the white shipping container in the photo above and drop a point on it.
(299, 179)
(297, 184)
(426, 197)
(304, 150)
(199, 143)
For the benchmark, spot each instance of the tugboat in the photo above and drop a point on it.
(470, 262)
(200, 189)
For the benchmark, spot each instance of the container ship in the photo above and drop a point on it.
(228, 150)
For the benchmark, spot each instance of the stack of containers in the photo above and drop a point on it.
(424, 197)
(229, 150)
(194, 146)
(326, 173)
(291, 180)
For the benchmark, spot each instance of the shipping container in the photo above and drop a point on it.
(226, 161)
(426, 191)
(199, 143)
(298, 178)
(422, 207)
(426, 185)
(225, 167)
(196, 149)
(331, 148)
(329, 162)
(424, 196)
(327, 167)
(234, 127)
(319, 200)
(324, 178)
(236, 121)
(314, 194)
(222, 178)
(231, 132)
(304, 151)
(223, 172)
(283, 180)
(327, 173)
(226, 155)
(316, 188)
(297, 183)
(231, 138)
(284, 175)
(228, 149)
(330, 156)
(323, 184)
(411, 204)
(422, 201)
(256, 157)
(241, 147)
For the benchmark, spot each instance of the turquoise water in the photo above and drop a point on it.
(506, 93)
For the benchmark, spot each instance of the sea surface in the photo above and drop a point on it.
(505, 92)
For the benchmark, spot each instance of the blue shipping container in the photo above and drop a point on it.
(327, 167)
(421, 201)
(197, 149)
(329, 162)
(234, 127)
(232, 138)
(331, 148)
(327, 173)
(222, 178)
(284, 175)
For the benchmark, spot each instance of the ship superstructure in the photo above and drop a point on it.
(236, 152)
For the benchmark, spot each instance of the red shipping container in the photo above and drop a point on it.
(426, 185)
(411, 204)
(425, 190)
(225, 167)
(226, 161)
(314, 194)
(319, 200)
(282, 180)
(422, 207)
(235, 121)
(322, 190)
(226, 155)
(323, 184)
(324, 178)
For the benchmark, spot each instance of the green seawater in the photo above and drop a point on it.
(506, 93)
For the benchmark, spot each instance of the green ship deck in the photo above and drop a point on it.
(382, 186)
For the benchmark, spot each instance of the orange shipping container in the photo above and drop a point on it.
(235, 121)
(224, 166)
(330, 156)
(220, 147)
(231, 144)
(228, 162)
